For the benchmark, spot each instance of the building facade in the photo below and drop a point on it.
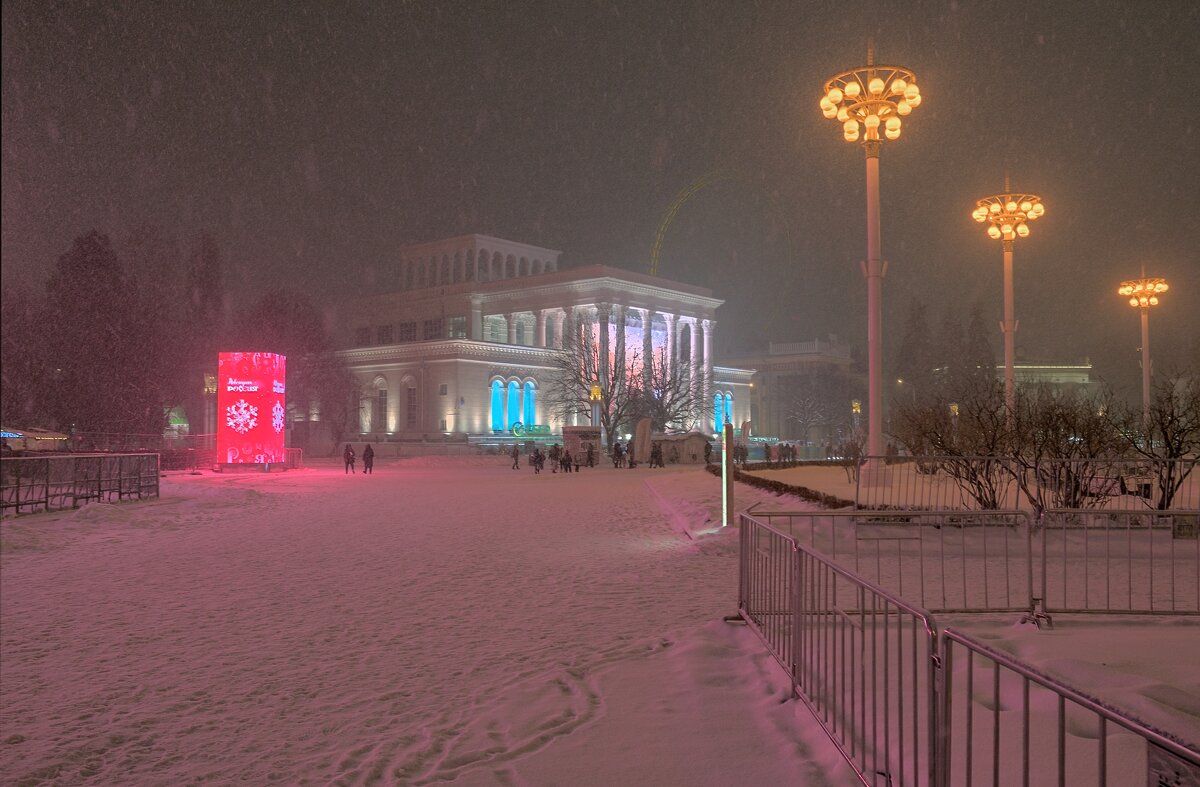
(463, 343)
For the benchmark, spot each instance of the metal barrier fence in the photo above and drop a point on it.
(943, 561)
(1120, 561)
(1003, 722)
(1160, 484)
(991, 482)
(48, 483)
(860, 658)
(887, 689)
(293, 458)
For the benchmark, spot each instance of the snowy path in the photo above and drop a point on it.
(427, 623)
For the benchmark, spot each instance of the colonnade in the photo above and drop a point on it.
(686, 341)
(441, 269)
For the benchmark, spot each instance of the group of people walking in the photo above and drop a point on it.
(368, 458)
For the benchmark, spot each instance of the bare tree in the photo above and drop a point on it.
(668, 402)
(1170, 436)
(671, 402)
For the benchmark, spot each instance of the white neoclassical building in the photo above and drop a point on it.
(462, 340)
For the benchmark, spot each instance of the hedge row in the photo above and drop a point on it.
(780, 488)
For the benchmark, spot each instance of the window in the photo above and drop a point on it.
(497, 406)
(456, 328)
(383, 334)
(410, 418)
(362, 337)
(408, 331)
(379, 411)
(432, 329)
(442, 391)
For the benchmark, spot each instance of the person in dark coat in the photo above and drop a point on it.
(516, 455)
(348, 458)
(368, 460)
(708, 453)
(555, 458)
(591, 455)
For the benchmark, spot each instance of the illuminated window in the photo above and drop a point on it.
(497, 406)
(529, 404)
(456, 328)
(514, 404)
(379, 411)
(410, 418)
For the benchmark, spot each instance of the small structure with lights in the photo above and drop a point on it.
(1007, 216)
(867, 101)
(1142, 294)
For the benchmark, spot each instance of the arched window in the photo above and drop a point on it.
(497, 406)
(728, 408)
(514, 404)
(529, 403)
(718, 412)
(379, 406)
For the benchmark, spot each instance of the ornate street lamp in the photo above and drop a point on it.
(1142, 294)
(868, 101)
(1008, 216)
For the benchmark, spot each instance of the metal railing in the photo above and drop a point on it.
(941, 483)
(49, 483)
(884, 683)
(859, 657)
(1156, 484)
(943, 561)
(1003, 722)
(1120, 561)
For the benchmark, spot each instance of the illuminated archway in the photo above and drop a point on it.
(529, 403)
(514, 404)
(497, 406)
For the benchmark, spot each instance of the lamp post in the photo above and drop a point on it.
(1142, 294)
(594, 396)
(1008, 216)
(868, 100)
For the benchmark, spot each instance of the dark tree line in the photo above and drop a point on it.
(119, 335)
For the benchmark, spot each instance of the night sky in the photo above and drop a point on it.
(313, 139)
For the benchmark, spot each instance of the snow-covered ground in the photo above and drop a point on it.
(444, 620)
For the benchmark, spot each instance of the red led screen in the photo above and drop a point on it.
(250, 407)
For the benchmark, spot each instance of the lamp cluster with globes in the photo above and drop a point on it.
(864, 100)
(1008, 214)
(1143, 293)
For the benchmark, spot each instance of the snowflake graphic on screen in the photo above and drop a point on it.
(277, 417)
(241, 416)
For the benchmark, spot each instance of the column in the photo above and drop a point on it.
(619, 350)
(560, 318)
(476, 333)
(672, 362)
(694, 363)
(647, 349)
(511, 319)
(540, 334)
(603, 313)
(709, 326)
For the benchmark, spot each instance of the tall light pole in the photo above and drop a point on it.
(1008, 216)
(868, 100)
(1142, 294)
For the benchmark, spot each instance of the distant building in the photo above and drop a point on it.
(463, 341)
(805, 392)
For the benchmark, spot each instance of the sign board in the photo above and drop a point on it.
(251, 389)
